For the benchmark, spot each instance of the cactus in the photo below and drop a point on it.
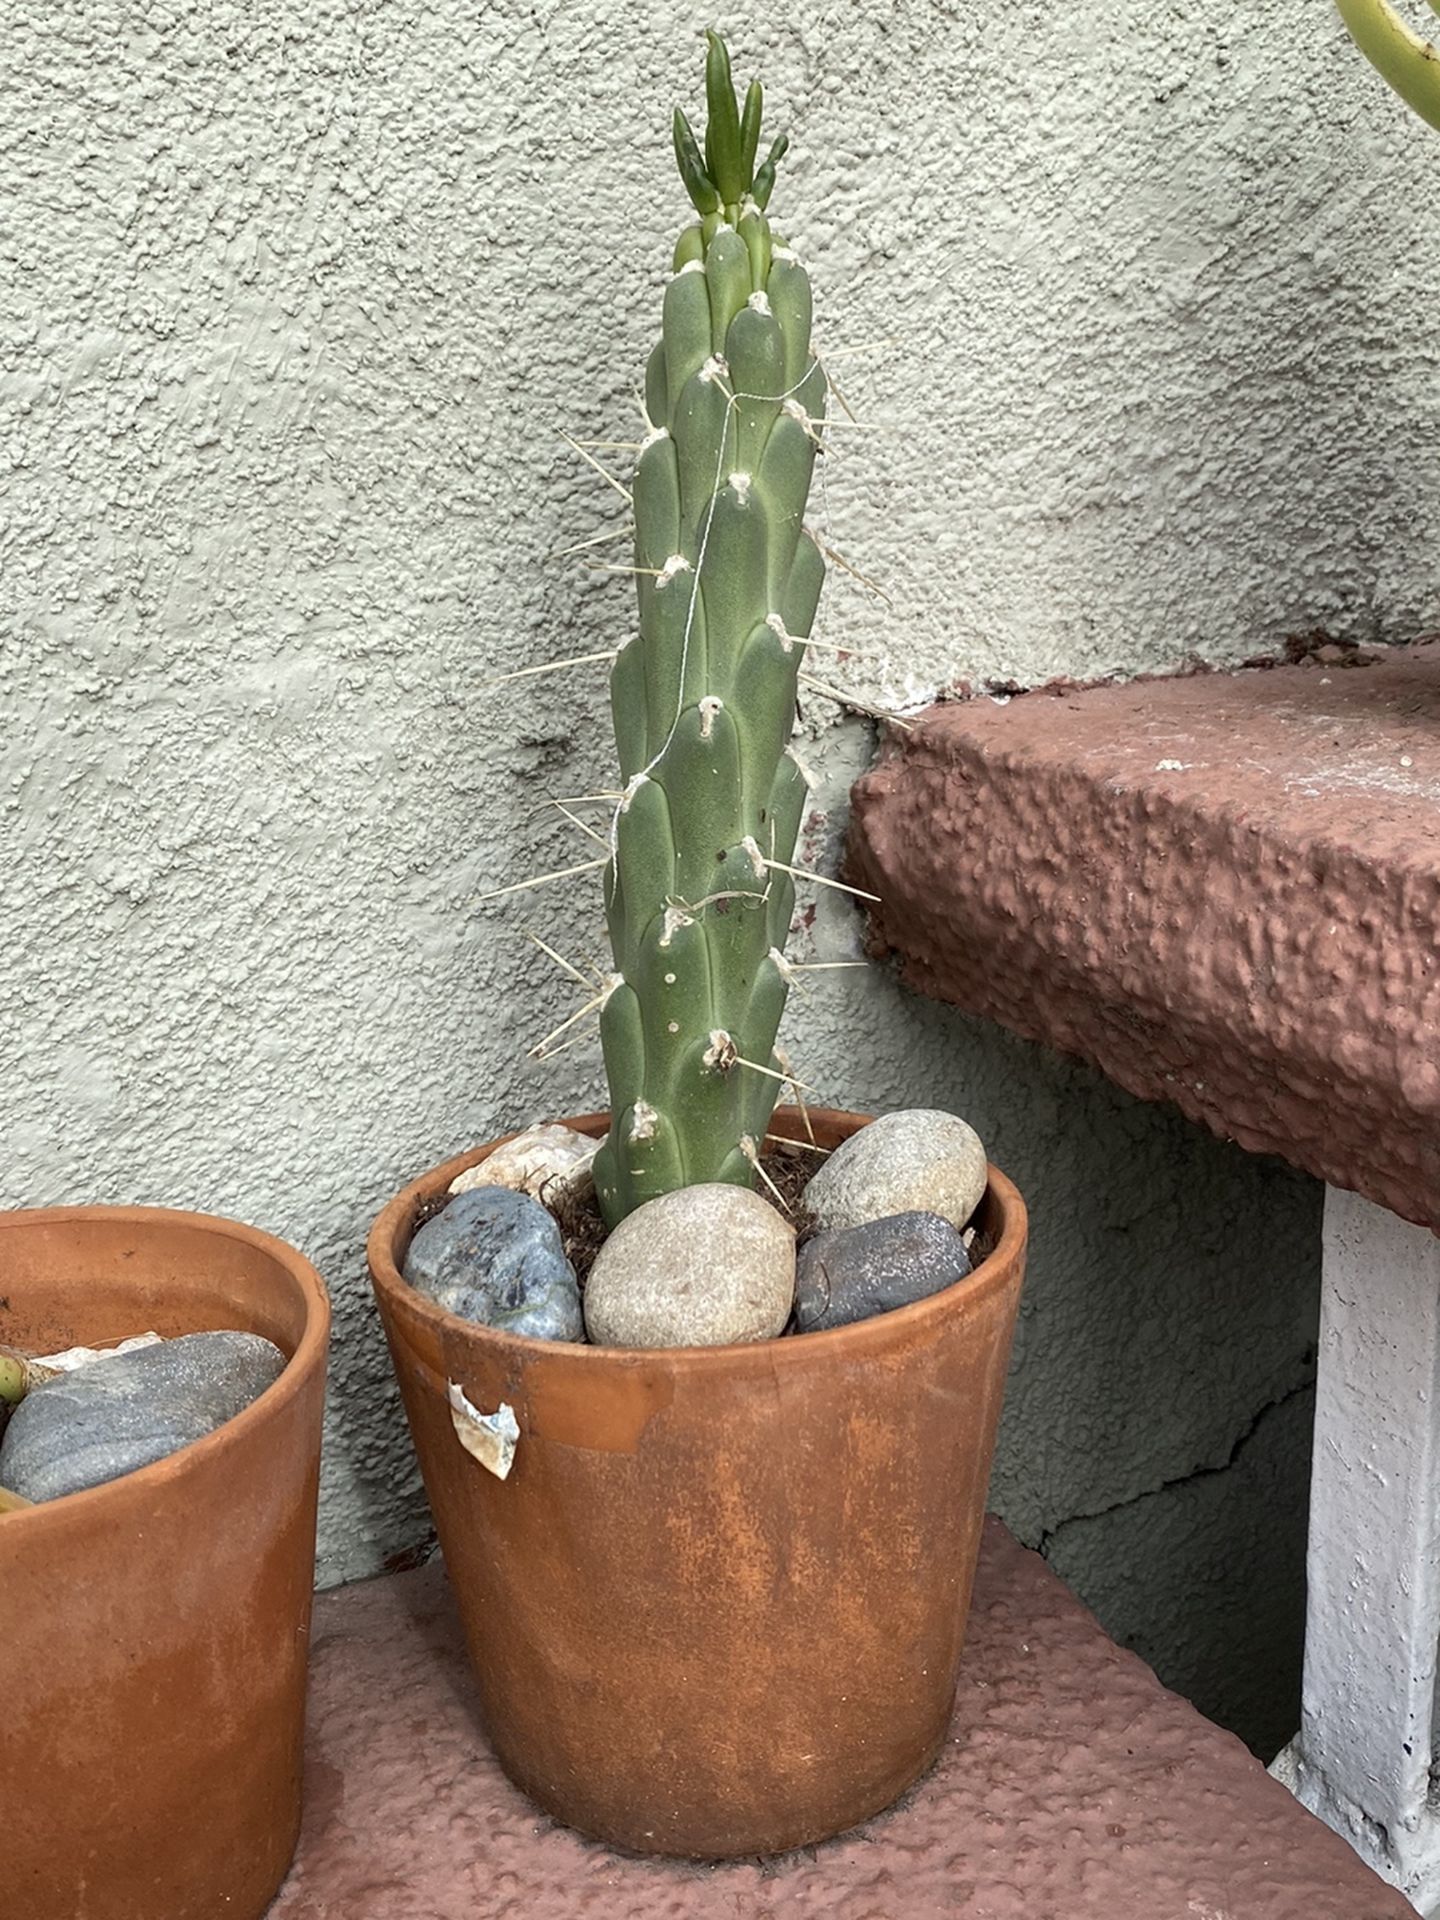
(1410, 64)
(697, 899)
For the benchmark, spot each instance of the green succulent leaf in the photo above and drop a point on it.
(765, 179)
(704, 195)
(750, 127)
(722, 135)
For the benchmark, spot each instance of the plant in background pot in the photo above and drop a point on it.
(714, 1562)
(157, 1556)
(1410, 64)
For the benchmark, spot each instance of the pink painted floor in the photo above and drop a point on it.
(1074, 1787)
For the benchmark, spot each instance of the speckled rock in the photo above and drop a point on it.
(857, 1272)
(496, 1257)
(699, 1267)
(917, 1160)
(550, 1162)
(117, 1414)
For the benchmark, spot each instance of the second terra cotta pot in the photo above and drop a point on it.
(717, 1606)
(153, 1631)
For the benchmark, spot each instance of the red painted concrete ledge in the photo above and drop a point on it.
(1074, 1787)
(1222, 890)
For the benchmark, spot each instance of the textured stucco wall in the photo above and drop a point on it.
(297, 299)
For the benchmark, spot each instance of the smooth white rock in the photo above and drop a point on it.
(549, 1162)
(919, 1160)
(699, 1267)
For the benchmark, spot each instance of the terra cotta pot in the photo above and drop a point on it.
(717, 1606)
(153, 1631)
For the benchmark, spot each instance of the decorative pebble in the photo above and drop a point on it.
(550, 1162)
(496, 1257)
(857, 1272)
(699, 1267)
(919, 1160)
(127, 1410)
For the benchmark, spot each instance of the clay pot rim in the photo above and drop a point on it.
(176, 1467)
(878, 1332)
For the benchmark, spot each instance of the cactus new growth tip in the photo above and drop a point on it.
(698, 901)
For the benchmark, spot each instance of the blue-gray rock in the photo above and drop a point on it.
(117, 1414)
(496, 1257)
(857, 1272)
(917, 1160)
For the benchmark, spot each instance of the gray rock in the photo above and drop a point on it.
(496, 1257)
(84, 1428)
(699, 1267)
(917, 1161)
(860, 1271)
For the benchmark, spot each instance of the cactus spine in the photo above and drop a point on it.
(703, 700)
(1410, 64)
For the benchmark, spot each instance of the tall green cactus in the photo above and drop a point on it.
(697, 899)
(1410, 64)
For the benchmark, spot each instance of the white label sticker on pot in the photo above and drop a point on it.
(490, 1437)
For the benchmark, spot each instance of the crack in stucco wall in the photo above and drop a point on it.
(1203, 1471)
(1204, 1575)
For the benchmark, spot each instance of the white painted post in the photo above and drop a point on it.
(1364, 1754)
